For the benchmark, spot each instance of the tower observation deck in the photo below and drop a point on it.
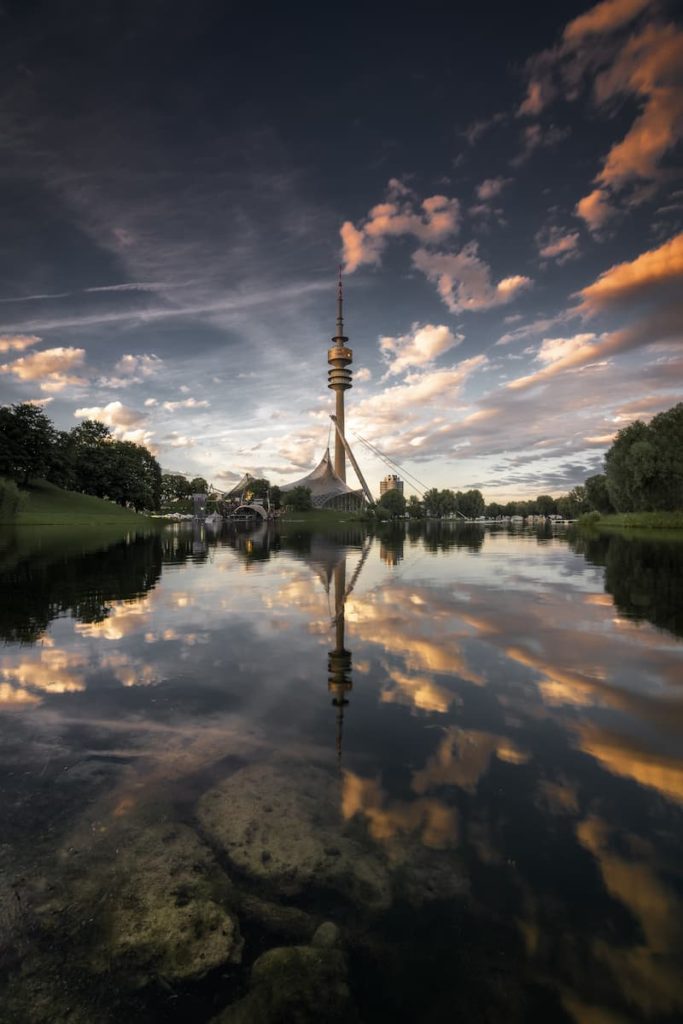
(339, 380)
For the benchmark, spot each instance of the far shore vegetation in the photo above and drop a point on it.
(86, 476)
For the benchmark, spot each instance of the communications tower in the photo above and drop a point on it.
(339, 358)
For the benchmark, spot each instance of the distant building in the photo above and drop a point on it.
(391, 483)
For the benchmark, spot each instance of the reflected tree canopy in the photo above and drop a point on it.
(46, 585)
(643, 576)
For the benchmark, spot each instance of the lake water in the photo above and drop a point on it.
(458, 750)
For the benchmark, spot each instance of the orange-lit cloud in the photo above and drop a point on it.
(645, 66)
(649, 972)
(16, 696)
(558, 245)
(436, 823)
(416, 690)
(491, 188)
(595, 209)
(47, 670)
(635, 278)
(463, 757)
(604, 18)
(124, 618)
(622, 757)
(650, 67)
(432, 220)
(18, 342)
(52, 367)
(464, 281)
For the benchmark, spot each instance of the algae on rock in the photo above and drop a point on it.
(280, 824)
(295, 985)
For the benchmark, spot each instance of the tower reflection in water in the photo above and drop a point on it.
(339, 681)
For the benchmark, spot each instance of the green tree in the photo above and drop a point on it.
(597, 494)
(299, 498)
(415, 509)
(258, 489)
(394, 503)
(545, 505)
(92, 455)
(26, 439)
(625, 468)
(666, 435)
(174, 486)
(198, 485)
(275, 497)
(135, 476)
(471, 503)
(61, 469)
(432, 502)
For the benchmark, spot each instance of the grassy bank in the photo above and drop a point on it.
(47, 505)
(321, 517)
(641, 521)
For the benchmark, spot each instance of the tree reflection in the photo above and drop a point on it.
(643, 576)
(46, 585)
(442, 536)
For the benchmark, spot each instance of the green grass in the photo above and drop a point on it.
(47, 505)
(321, 517)
(642, 521)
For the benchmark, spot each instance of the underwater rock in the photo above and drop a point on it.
(167, 916)
(275, 918)
(327, 936)
(295, 985)
(280, 823)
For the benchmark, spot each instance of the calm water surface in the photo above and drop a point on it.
(458, 751)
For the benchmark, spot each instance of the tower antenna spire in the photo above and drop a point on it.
(340, 305)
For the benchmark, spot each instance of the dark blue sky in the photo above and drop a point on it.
(173, 183)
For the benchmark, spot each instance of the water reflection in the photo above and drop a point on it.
(500, 839)
(643, 577)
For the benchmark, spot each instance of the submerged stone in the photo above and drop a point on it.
(295, 985)
(327, 936)
(277, 919)
(167, 916)
(292, 811)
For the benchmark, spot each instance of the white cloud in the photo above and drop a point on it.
(554, 349)
(421, 347)
(362, 375)
(18, 342)
(186, 403)
(175, 440)
(127, 424)
(144, 365)
(51, 367)
(403, 415)
(464, 281)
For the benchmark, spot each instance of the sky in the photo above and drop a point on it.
(502, 184)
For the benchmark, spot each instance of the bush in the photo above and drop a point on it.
(589, 518)
(11, 500)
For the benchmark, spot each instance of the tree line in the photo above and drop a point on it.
(87, 458)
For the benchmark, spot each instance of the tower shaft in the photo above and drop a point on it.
(339, 379)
